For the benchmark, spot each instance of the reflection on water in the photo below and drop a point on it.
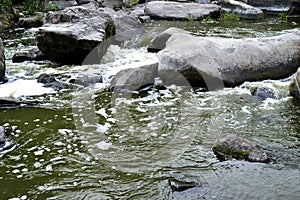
(90, 143)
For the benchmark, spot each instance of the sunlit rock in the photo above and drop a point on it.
(213, 62)
(2, 62)
(69, 35)
(159, 42)
(232, 146)
(133, 79)
(241, 9)
(127, 26)
(181, 11)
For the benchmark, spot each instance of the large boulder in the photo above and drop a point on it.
(114, 4)
(295, 85)
(181, 11)
(241, 9)
(159, 42)
(69, 35)
(214, 62)
(127, 26)
(2, 62)
(232, 146)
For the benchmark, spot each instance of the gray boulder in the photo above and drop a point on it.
(159, 42)
(114, 4)
(295, 85)
(214, 62)
(134, 79)
(127, 26)
(243, 10)
(2, 62)
(60, 5)
(69, 35)
(181, 11)
(232, 146)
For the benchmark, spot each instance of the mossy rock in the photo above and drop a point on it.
(232, 146)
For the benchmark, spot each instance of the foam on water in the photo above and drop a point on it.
(21, 88)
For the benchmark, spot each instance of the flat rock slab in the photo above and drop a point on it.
(181, 11)
(214, 62)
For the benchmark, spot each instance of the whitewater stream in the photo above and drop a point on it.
(86, 142)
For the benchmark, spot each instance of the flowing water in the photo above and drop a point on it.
(86, 142)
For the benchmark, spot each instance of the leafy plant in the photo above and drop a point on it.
(283, 16)
(4, 5)
(230, 16)
(52, 7)
(31, 6)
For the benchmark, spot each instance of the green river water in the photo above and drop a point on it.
(88, 143)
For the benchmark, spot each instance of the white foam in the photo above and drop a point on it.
(20, 88)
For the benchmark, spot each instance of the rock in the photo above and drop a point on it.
(50, 81)
(2, 62)
(133, 79)
(69, 35)
(60, 5)
(30, 22)
(127, 26)
(2, 136)
(214, 62)
(86, 81)
(243, 10)
(203, 1)
(159, 42)
(232, 146)
(263, 93)
(294, 87)
(295, 7)
(181, 11)
(114, 4)
(33, 54)
(179, 185)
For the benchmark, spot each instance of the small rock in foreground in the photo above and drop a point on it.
(179, 185)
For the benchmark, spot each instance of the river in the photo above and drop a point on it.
(90, 143)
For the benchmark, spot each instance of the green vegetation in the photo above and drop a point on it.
(31, 6)
(52, 7)
(230, 16)
(208, 19)
(4, 5)
(283, 16)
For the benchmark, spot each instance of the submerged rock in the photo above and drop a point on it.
(179, 185)
(241, 9)
(2, 62)
(50, 81)
(69, 35)
(232, 146)
(33, 54)
(294, 87)
(134, 79)
(159, 42)
(181, 11)
(263, 93)
(213, 62)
